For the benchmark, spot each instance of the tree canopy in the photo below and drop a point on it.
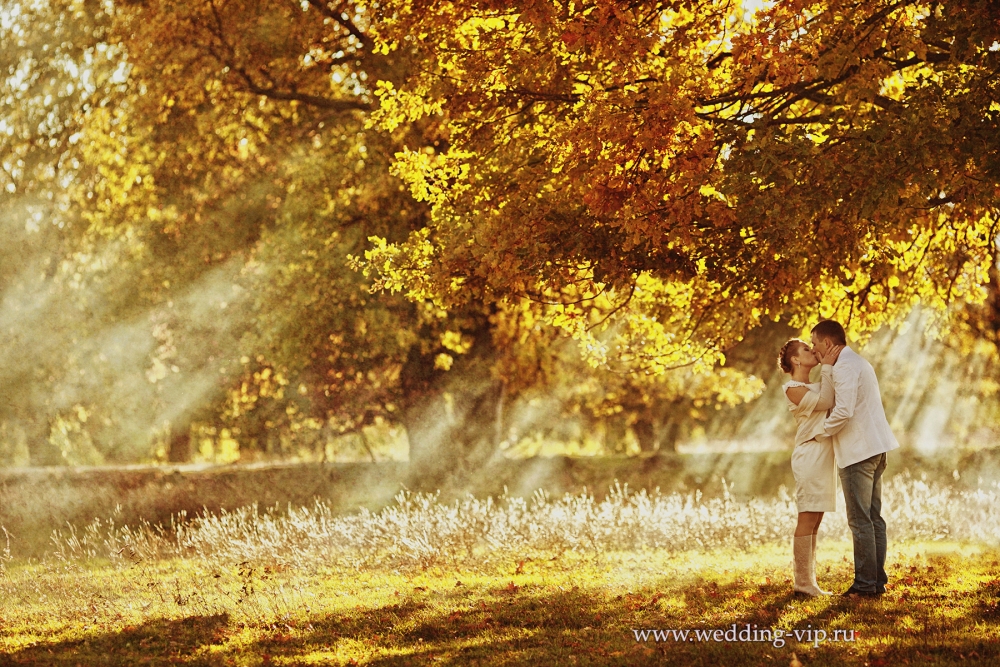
(700, 166)
(283, 218)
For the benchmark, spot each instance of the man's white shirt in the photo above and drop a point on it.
(857, 421)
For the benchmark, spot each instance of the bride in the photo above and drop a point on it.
(812, 462)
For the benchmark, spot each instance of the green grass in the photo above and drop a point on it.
(568, 609)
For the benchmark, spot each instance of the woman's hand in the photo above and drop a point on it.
(831, 356)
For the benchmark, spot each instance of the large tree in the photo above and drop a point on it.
(265, 110)
(702, 165)
(650, 180)
(195, 179)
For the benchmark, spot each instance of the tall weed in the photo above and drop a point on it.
(419, 530)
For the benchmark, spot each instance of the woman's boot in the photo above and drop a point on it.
(801, 552)
(812, 568)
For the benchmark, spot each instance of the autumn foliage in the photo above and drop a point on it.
(817, 159)
(598, 200)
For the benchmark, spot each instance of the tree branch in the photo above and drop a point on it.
(272, 91)
(304, 98)
(338, 16)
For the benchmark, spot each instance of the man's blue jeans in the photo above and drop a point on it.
(862, 482)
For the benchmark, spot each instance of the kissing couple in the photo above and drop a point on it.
(841, 427)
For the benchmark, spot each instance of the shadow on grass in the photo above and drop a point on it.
(153, 643)
(545, 625)
(989, 601)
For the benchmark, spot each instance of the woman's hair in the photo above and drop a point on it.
(789, 350)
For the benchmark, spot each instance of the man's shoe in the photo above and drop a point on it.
(852, 591)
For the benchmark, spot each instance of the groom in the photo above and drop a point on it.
(861, 438)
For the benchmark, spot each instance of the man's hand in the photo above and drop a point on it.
(831, 356)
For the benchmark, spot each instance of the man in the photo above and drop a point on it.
(861, 438)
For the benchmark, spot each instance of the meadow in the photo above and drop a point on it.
(573, 580)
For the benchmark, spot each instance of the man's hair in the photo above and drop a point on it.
(831, 330)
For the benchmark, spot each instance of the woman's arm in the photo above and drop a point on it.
(826, 392)
(822, 401)
(803, 398)
(796, 394)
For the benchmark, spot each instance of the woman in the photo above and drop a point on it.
(812, 462)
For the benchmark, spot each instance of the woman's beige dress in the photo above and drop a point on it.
(812, 462)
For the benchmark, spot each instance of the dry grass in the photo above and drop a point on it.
(503, 581)
(417, 531)
(941, 609)
(34, 502)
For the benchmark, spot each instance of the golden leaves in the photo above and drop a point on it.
(400, 106)
(432, 177)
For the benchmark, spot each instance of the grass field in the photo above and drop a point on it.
(36, 501)
(570, 581)
(941, 609)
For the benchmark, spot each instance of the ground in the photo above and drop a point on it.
(564, 609)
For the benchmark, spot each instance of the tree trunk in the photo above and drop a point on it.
(657, 434)
(42, 451)
(179, 447)
(645, 434)
(453, 431)
(615, 431)
(669, 434)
